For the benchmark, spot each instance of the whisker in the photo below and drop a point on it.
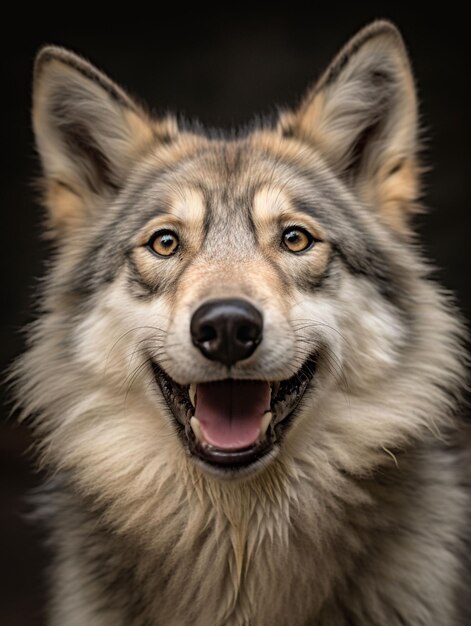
(315, 323)
(125, 334)
(134, 376)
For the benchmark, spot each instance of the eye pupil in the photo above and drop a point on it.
(163, 243)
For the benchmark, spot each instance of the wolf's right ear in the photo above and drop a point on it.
(88, 131)
(362, 117)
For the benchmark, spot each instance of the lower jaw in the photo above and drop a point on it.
(228, 471)
(245, 460)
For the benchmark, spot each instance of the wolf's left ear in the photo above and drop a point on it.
(362, 117)
(88, 131)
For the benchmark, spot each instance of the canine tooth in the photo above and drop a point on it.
(275, 387)
(196, 427)
(192, 394)
(265, 422)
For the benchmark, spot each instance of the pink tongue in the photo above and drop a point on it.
(230, 411)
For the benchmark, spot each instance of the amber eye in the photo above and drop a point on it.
(297, 239)
(163, 242)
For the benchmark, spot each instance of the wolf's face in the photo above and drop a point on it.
(229, 285)
(235, 302)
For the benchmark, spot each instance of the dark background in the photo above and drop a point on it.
(222, 70)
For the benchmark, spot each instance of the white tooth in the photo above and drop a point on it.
(192, 394)
(275, 387)
(265, 422)
(196, 426)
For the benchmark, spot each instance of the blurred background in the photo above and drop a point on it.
(221, 69)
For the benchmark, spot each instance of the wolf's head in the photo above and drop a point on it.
(235, 305)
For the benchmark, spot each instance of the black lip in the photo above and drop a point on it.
(283, 406)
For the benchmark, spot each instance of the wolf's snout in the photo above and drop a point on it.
(227, 330)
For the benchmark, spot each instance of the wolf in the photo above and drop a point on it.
(244, 382)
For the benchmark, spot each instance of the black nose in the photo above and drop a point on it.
(226, 330)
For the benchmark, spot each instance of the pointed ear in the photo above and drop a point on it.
(88, 131)
(362, 117)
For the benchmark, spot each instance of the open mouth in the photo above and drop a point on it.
(232, 424)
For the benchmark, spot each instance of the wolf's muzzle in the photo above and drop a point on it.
(227, 330)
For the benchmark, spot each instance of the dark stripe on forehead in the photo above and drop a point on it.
(228, 208)
(252, 226)
(208, 210)
(243, 208)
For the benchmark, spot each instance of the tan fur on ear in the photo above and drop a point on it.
(394, 191)
(89, 134)
(65, 207)
(362, 116)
